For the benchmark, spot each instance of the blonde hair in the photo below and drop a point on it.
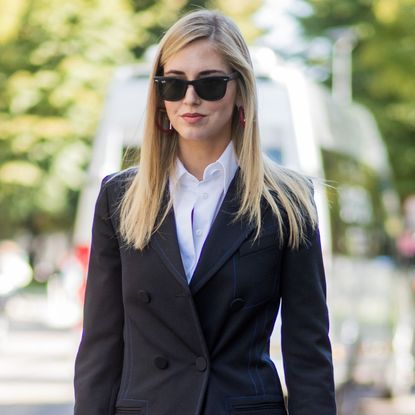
(289, 194)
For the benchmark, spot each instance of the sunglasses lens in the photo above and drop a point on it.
(172, 89)
(211, 89)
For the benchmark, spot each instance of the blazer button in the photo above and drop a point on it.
(237, 304)
(161, 362)
(201, 364)
(144, 296)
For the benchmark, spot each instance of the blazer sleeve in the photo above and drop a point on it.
(99, 360)
(305, 343)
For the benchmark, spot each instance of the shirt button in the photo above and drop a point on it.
(205, 195)
(198, 232)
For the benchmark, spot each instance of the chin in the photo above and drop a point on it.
(193, 135)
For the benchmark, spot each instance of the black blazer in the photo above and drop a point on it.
(154, 345)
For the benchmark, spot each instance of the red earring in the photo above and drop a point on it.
(241, 113)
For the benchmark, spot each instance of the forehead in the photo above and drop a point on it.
(198, 56)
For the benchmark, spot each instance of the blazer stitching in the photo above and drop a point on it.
(202, 281)
(104, 187)
(261, 349)
(124, 373)
(258, 304)
(277, 277)
(110, 215)
(178, 274)
(235, 282)
(130, 357)
(245, 251)
(257, 353)
(113, 399)
(250, 358)
(205, 350)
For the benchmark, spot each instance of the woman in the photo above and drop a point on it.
(193, 252)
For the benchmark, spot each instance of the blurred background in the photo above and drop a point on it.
(336, 101)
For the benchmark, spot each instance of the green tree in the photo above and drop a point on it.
(56, 59)
(383, 67)
(152, 18)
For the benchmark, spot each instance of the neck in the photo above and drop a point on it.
(196, 156)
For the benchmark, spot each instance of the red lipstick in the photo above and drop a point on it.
(192, 117)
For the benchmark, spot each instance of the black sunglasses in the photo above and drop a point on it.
(210, 88)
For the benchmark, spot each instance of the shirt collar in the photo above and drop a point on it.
(227, 162)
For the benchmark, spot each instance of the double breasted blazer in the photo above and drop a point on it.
(155, 345)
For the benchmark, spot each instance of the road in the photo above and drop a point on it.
(36, 363)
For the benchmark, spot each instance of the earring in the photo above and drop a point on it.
(161, 118)
(241, 113)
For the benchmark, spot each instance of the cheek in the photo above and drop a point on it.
(225, 111)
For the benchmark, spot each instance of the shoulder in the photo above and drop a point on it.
(121, 177)
(116, 184)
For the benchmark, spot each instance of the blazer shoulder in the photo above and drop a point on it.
(116, 184)
(121, 177)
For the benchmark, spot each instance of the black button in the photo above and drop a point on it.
(237, 304)
(144, 296)
(161, 362)
(201, 364)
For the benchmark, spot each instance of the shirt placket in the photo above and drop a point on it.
(184, 217)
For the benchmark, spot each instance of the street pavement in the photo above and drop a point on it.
(36, 362)
(38, 409)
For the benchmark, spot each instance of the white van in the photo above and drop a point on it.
(303, 128)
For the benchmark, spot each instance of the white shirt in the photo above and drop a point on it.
(196, 203)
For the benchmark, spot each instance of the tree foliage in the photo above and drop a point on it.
(383, 68)
(152, 18)
(56, 60)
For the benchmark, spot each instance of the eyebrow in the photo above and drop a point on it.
(202, 73)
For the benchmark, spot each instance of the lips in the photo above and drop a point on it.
(193, 117)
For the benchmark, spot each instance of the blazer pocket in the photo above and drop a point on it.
(262, 243)
(131, 411)
(131, 407)
(257, 405)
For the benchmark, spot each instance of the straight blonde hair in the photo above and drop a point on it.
(289, 194)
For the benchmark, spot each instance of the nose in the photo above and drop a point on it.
(191, 96)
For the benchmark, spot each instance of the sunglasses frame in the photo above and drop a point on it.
(195, 83)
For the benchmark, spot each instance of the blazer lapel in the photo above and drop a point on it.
(165, 243)
(223, 239)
